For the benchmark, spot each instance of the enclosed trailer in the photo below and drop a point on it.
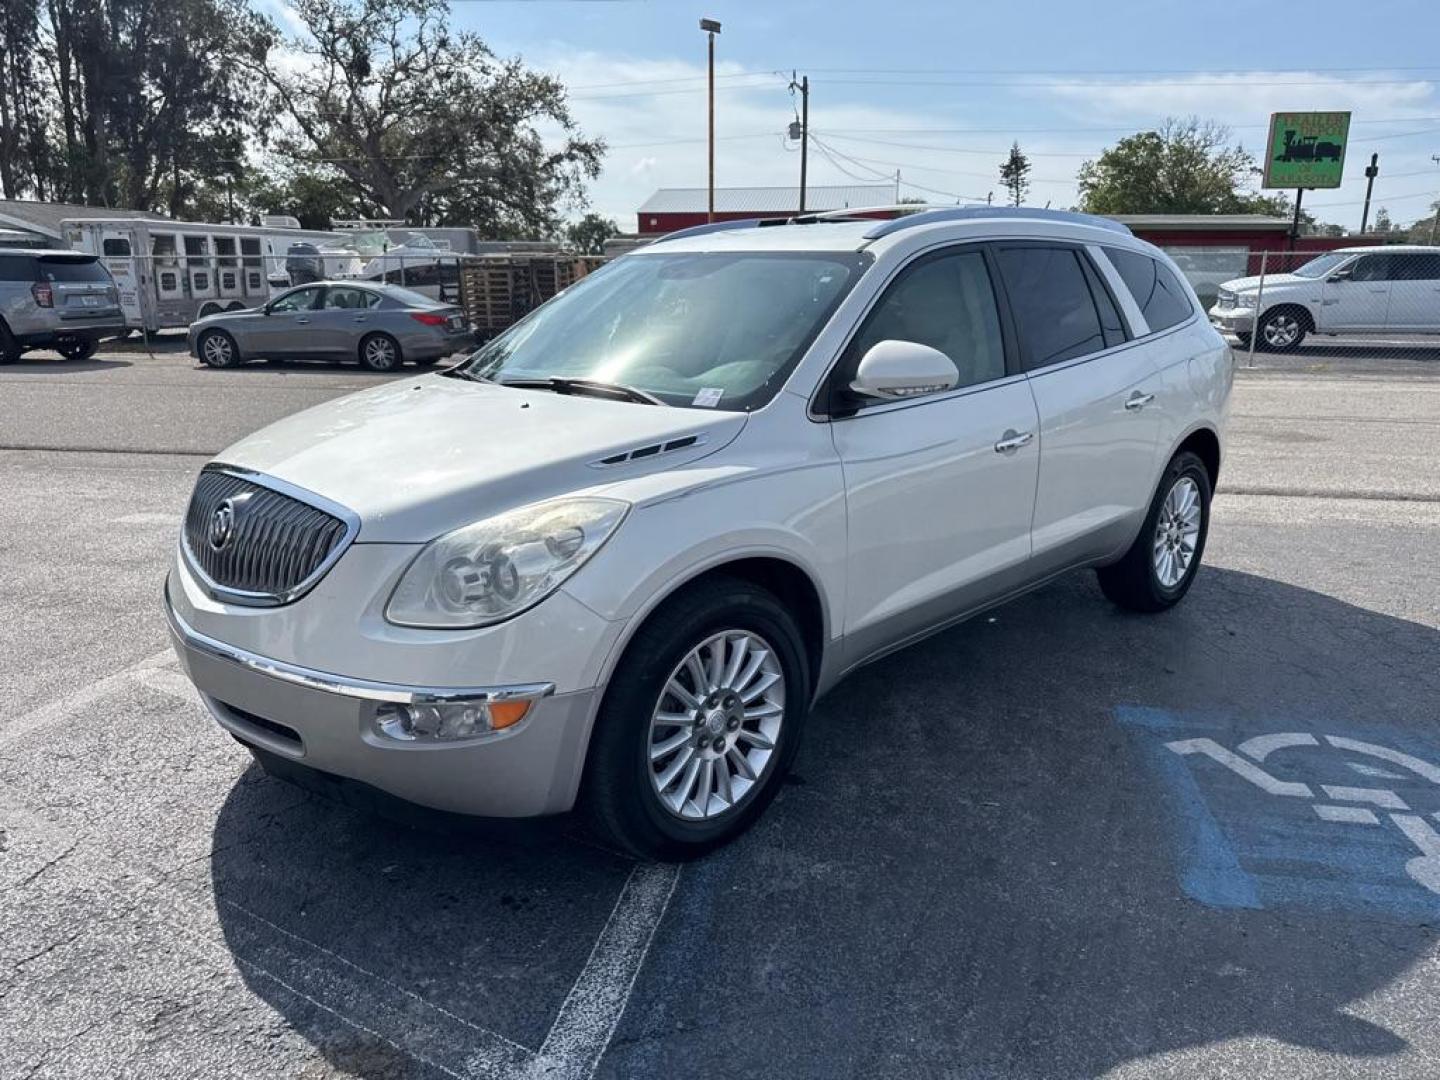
(171, 273)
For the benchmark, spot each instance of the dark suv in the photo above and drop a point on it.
(61, 300)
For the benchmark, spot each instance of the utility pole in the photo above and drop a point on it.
(1435, 210)
(804, 87)
(1371, 171)
(1295, 223)
(711, 27)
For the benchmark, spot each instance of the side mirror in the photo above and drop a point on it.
(895, 370)
(1341, 275)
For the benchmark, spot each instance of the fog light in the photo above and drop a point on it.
(439, 721)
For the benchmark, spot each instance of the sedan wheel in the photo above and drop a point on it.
(217, 349)
(380, 352)
(716, 725)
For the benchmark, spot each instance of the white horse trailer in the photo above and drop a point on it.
(171, 273)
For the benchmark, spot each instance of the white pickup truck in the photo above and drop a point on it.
(1362, 290)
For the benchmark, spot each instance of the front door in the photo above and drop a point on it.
(286, 327)
(1096, 394)
(1360, 300)
(939, 491)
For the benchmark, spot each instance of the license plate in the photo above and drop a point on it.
(90, 301)
(457, 322)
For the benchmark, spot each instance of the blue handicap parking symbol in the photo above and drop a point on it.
(1301, 816)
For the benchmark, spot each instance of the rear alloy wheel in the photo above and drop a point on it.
(78, 350)
(700, 722)
(1161, 564)
(1282, 330)
(217, 349)
(380, 352)
(9, 347)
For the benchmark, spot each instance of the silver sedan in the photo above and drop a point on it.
(381, 326)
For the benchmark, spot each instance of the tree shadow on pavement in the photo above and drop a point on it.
(972, 872)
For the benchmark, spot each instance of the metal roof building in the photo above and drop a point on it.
(39, 222)
(679, 208)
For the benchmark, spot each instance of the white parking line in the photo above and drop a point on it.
(582, 1029)
(85, 698)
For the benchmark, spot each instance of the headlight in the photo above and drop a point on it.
(1244, 300)
(496, 568)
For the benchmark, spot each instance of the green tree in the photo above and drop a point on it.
(1186, 167)
(1427, 229)
(1382, 222)
(1015, 175)
(22, 118)
(425, 122)
(588, 235)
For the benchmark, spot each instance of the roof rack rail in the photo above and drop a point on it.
(710, 227)
(980, 213)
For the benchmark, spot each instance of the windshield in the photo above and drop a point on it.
(698, 329)
(1321, 266)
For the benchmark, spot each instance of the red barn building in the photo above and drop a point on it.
(680, 208)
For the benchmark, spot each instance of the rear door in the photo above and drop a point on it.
(1415, 292)
(1361, 300)
(345, 315)
(1095, 390)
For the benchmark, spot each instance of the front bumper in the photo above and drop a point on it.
(1232, 320)
(325, 722)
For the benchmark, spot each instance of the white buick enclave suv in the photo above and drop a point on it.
(614, 557)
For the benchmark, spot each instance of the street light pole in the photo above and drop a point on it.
(1371, 171)
(711, 27)
(1435, 210)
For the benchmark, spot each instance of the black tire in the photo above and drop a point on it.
(1134, 581)
(79, 350)
(380, 352)
(617, 794)
(9, 347)
(217, 349)
(1282, 329)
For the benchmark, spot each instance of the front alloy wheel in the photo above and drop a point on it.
(716, 725)
(1282, 331)
(699, 723)
(217, 349)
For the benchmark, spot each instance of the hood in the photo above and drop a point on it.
(1248, 284)
(416, 458)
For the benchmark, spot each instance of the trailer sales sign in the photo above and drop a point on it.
(1307, 149)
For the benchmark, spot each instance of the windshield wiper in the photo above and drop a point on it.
(562, 384)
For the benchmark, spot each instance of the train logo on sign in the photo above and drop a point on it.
(1306, 150)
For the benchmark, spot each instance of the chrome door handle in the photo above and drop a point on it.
(1012, 440)
(1138, 401)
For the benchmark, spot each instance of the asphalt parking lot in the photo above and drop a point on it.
(1058, 841)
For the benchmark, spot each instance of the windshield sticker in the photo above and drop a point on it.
(709, 397)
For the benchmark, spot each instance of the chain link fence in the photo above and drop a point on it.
(1354, 303)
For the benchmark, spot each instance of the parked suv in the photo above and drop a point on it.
(615, 556)
(1363, 290)
(62, 300)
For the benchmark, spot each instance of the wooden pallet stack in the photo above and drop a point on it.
(498, 290)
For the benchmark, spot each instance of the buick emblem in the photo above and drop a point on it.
(222, 525)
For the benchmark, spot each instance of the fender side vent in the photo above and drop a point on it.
(652, 450)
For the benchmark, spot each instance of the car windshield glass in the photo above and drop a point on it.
(710, 330)
(73, 270)
(1321, 266)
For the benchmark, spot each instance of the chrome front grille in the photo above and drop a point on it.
(254, 540)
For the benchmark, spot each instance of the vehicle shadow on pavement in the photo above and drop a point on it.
(974, 871)
(30, 364)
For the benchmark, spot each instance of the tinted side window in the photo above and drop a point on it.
(1371, 268)
(17, 268)
(299, 300)
(946, 302)
(1422, 267)
(1162, 299)
(1110, 321)
(349, 298)
(1052, 303)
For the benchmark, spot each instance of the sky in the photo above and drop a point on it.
(939, 90)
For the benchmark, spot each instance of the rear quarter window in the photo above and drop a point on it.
(17, 268)
(1162, 298)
